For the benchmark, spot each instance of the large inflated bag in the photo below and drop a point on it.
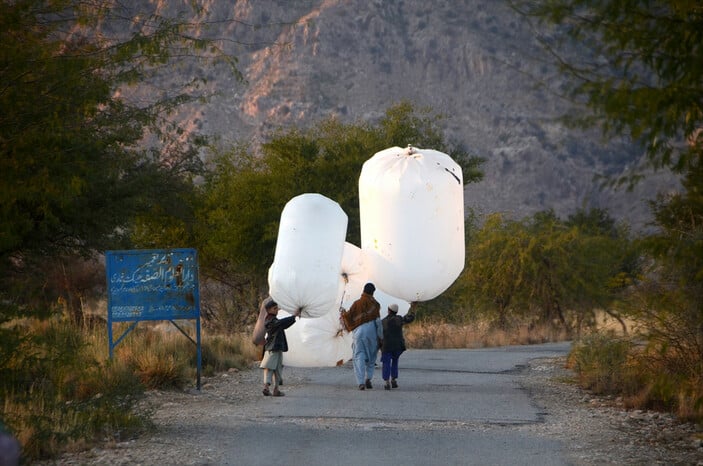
(411, 206)
(305, 273)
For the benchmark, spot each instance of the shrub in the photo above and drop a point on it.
(59, 396)
(601, 362)
(220, 353)
(158, 370)
(424, 334)
(666, 383)
(159, 359)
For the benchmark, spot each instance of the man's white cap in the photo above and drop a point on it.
(393, 307)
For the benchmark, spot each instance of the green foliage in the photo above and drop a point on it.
(59, 388)
(542, 269)
(679, 244)
(449, 306)
(56, 393)
(667, 299)
(85, 155)
(493, 275)
(79, 151)
(593, 222)
(640, 73)
(642, 80)
(246, 192)
(601, 363)
(404, 125)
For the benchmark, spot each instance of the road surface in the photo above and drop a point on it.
(452, 407)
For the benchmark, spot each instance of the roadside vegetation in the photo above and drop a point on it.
(62, 392)
(639, 76)
(84, 169)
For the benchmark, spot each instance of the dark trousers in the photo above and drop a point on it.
(389, 359)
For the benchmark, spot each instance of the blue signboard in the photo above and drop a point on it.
(154, 284)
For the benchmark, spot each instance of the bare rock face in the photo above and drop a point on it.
(475, 61)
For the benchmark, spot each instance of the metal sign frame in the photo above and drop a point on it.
(153, 284)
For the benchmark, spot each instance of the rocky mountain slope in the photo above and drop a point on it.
(475, 61)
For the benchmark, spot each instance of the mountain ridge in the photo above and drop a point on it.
(468, 60)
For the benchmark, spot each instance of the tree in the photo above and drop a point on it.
(669, 297)
(86, 148)
(609, 238)
(492, 277)
(642, 78)
(542, 270)
(594, 221)
(638, 68)
(82, 151)
(581, 263)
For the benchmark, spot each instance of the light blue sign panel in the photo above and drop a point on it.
(153, 284)
(158, 284)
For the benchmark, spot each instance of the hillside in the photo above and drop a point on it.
(475, 61)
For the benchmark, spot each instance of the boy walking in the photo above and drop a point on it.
(276, 344)
(393, 344)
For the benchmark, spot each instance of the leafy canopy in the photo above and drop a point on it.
(639, 68)
(544, 269)
(246, 191)
(81, 149)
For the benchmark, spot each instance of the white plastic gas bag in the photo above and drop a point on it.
(305, 273)
(411, 205)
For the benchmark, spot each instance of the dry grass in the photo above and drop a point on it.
(441, 335)
(477, 335)
(163, 357)
(601, 361)
(645, 378)
(605, 360)
(59, 394)
(66, 393)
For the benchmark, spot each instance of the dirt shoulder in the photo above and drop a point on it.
(598, 430)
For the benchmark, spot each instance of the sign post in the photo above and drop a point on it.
(155, 284)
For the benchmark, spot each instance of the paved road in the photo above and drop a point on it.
(453, 407)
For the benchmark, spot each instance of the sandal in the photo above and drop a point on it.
(266, 391)
(277, 392)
